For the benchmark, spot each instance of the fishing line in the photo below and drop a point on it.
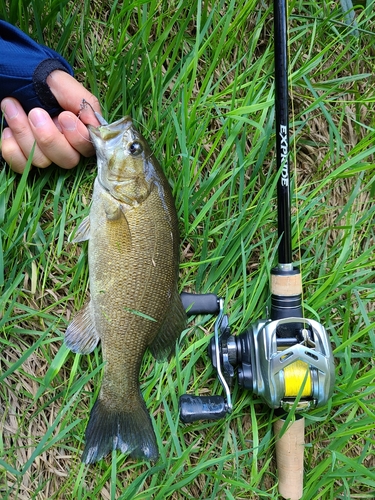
(294, 158)
(83, 106)
(297, 377)
(98, 116)
(78, 132)
(81, 135)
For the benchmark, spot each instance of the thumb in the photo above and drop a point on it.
(70, 94)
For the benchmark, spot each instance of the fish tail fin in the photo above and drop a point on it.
(129, 431)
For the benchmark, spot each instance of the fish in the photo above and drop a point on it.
(134, 305)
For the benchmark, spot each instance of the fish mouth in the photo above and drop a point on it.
(115, 128)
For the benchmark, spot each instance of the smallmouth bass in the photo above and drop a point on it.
(133, 256)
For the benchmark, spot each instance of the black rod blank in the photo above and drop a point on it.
(282, 131)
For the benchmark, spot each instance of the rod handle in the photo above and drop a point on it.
(289, 458)
(195, 303)
(194, 408)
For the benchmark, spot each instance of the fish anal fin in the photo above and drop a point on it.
(81, 335)
(83, 231)
(129, 431)
(170, 330)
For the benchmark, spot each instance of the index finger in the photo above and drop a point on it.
(69, 93)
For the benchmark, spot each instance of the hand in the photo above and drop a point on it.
(60, 140)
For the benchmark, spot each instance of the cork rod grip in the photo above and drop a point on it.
(286, 285)
(289, 458)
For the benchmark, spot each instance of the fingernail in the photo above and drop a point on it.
(7, 133)
(9, 108)
(37, 117)
(68, 122)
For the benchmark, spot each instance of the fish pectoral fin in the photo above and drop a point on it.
(170, 330)
(112, 208)
(83, 231)
(81, 335)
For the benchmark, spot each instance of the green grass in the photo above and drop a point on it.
(198, 80)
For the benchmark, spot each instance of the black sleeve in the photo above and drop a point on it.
(24, 68)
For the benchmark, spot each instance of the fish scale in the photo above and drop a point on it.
(134, 303)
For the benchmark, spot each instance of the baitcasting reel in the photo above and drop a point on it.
(288, 362)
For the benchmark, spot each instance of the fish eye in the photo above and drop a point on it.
(135, 148)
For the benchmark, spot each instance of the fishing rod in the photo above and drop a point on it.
(284, 358)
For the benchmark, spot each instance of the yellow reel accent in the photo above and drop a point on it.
(294, 377)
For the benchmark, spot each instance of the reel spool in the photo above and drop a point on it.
(288, 362)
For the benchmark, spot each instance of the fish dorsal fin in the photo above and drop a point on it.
(81, 335)
(83, 231)
(170, 330)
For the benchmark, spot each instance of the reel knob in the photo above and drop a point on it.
(193, 408)
(194, 303)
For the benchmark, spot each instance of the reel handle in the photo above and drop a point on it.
(195, 303)
(194, 408)
(289, 458)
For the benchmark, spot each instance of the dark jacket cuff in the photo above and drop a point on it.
(41, 73)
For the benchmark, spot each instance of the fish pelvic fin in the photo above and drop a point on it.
(129, 431)
(83, 231)
(175, 321)
(81, 335)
